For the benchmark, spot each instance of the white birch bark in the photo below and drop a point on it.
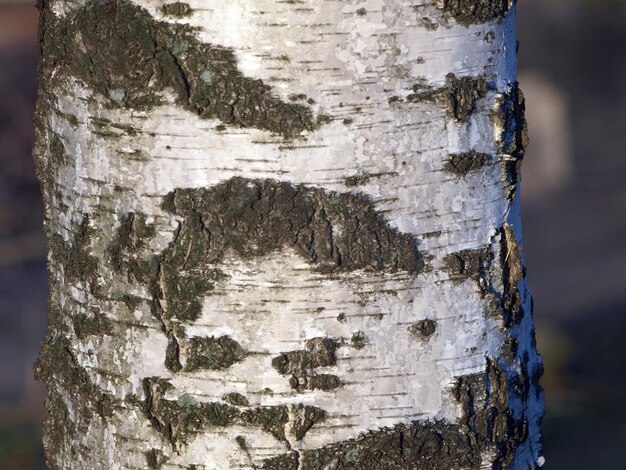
(375, 71)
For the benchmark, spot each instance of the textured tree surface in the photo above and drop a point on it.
(285, 235)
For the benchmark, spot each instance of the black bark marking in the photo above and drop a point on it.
(468, 12)
(423, 329)
(176, 9)
(300, 365)
(258, 217)
(120, 51)
(358, 340)
(66, 379)
(497, 278)
(130, 237)
(468, 264)
(155, 459)
(336, 232)
(213, 353)
(75, 256)
(236, 399)
(459, 95)
(461, 164)
(513, 140)
(96, 325)
(179, 420)
(487, 425)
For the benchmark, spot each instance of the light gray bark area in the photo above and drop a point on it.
(266, 314)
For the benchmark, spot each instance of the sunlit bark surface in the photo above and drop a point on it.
(285, 235)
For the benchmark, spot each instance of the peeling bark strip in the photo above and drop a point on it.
(119, 50)
(487, 425)
(468, 12)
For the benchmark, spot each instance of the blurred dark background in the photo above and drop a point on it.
(573, 71)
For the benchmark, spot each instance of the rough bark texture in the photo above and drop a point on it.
(285, 235)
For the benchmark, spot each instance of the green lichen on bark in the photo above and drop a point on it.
(461, 164)
(469, 12)
(487, 425)
(120, 51)
(213, 353)
(300, 365)
(180, 422)
(458, 95)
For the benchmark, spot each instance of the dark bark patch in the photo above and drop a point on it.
(155, 459)
(358, 340)
(176, 9)
(335, 231)
(487, 425)
(459, 95)
(300, 365)
(58, 368)
(178, 423)
(130, 237)
(485, 268)
(423, 329)
(95, 325)
(120, 51)
(75, 256)
(213, 353)
(513, 139)
(468, 264)
(469, 12)
(236, 399)
(461, 164)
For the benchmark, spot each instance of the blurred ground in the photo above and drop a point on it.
(573, 70)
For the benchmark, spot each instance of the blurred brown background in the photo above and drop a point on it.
(573, 71)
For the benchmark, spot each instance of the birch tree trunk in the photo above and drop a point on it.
(285, 235)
